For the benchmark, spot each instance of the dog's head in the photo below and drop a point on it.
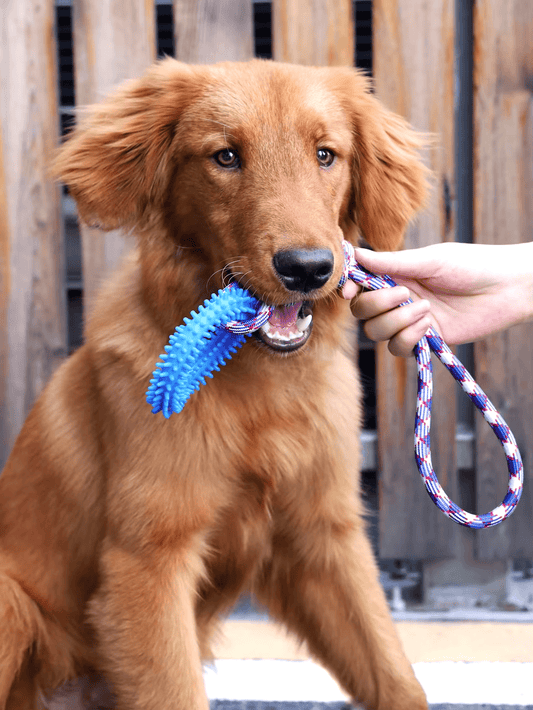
(251, 171)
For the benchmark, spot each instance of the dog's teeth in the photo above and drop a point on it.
(304, 323)
(266, 327)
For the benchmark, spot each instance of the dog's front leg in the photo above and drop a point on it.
(322, 582)
(143, 613)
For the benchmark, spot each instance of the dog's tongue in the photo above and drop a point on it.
(285, 317)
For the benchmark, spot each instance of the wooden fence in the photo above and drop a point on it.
(415, 74)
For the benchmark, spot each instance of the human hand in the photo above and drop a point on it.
(466, 291)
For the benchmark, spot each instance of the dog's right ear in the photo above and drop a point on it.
(116, 161)
(390, 181)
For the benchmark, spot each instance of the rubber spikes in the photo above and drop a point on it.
(198, 348)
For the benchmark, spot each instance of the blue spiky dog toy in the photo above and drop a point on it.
(203, 343)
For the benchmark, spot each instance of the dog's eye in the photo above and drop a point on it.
(325, 157)
(227, 158)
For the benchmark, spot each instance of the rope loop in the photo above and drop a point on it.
(432, 342)
(251, 324)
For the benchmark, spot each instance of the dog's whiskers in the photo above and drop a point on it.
(226, 277)
(242, 275)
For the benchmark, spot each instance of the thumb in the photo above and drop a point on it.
(411, 263)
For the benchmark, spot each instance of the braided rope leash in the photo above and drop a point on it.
(433, 342)
(220, 326)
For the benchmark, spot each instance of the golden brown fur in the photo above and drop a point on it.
(125, 536)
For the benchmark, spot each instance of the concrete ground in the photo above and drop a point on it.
(465, 660)
(462, 665)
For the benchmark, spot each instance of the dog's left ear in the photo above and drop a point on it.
(390, 181)
(116, 162)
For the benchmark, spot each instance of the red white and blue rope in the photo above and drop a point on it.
(252, 324)
(433, 342)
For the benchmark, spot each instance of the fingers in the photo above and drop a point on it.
(388, 324)
(385, 320)
(402, 327)
(402, 343)
(350, 290)
(372, 303)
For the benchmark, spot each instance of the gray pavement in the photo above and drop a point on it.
(303, 685)
(261, 705)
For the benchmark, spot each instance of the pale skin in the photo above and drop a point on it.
(465, 291)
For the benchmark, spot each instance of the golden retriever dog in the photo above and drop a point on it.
(125, 537)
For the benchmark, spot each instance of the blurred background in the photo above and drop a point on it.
(462, 70)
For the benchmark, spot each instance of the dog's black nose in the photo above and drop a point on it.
(303, 269)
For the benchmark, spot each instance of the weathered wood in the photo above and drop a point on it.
(503, 213)
(413, 68)
(114, 40)
(5, 290)
(213, 30)
(32, 308)
(313, 32)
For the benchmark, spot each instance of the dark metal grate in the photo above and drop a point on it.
(263, 29)
(363, 34)
(165, 30)
(65, 55)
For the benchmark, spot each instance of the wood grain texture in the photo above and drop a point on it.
(413, 68)
(5, 291)
(503, 213)
(114, 40)
(32, 308)
(213, 30)
(313, 32)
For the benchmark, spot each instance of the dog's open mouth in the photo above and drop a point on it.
(288, 328)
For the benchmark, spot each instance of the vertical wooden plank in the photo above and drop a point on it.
(114, 40)
(5, 290)
(32, 308)
(313, 32)
(213, 30)
(503, 213)
(413, 68)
